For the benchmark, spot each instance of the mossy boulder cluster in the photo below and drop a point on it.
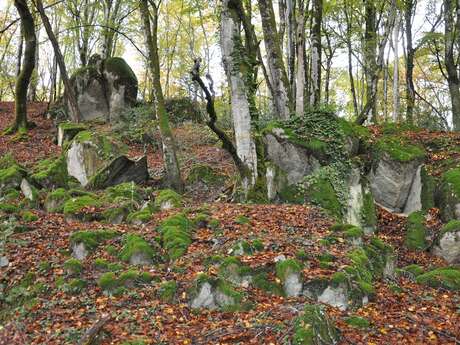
(104, 88)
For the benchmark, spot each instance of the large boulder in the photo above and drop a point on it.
(447, 244)
(448, 195)
(96, 160)
(104, 88)
(395, 177)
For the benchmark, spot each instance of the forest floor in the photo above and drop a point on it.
(402, 311)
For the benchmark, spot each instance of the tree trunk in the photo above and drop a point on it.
(32, 93)
(300, 75)
(350, 62)
(396, 99)
(317, 16)
(19, 54)
(370, 51)
(23, 79)
(69, 91)
(282, 97)
(231, 44)
(450, 36)
(410, 88)
(169, 147)
(291, 42)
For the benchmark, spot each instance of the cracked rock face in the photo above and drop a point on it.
(392, 182)
(448, 247)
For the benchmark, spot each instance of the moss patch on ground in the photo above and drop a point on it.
(416, 232)
(447, 278)
(176, 235)
(399, 149)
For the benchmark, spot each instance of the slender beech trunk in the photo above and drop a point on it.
(410, 88)
(32, 93)
(370, 58)
(317, 16)
(396, 99)
(350, 62)
(300, 73)
(69, 91)
(282, 97)
(233, 60)
(19, 54)
(451, 34)
(23, 79)
(169, 147)
(291, 42)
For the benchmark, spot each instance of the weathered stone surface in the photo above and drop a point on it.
(448, 247)
(104, 88)
(414, 200)
(120, 170)
(67, 131)
(140, 258)
(79, 251)
(292, 285)
(205, 297)
(4, 261)
(28, 190)
(391, 182)
(335, 296)
(292, 159)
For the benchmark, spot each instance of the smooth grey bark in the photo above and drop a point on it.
(451, 36)
(19, 54)
(282, 95)
(232, 56)
(317, 15)
(409, 10)
(300, 71)
(370, 56)
(396, 98)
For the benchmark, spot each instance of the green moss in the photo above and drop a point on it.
(51, 173)
(11, 177)
(111, 250)
(7, 160)
(108, 282)
(28, 216)
(416, 231)
(125, 76)
(176, 235)
(101, 264)
(8, 208)
(214, 223)
(145, 277)
(414, 270)
(200, 220)
(286, 267)
(399, 150)
(12, 194)
(127, 190)
(453, 178)
(178, 219)
(56, 199)
(322, 193)
(339, 278)
(75, 286)
(75, 205)
(92, 239)
(232, 269)
(236, 297)
(357, 322)
(368, 212)
(314, 327)
(128, 277)
(167, 291)
(115, 267)
(452, 226)
(242, 220)
(73, 266)
(135, 244)
(135, 342)
(348, 230)
(447, 278)
(44, 266)
(301, 255)
(141, 216)
(428, 190)
(168, 196)
(247, 247)
(107, 147)
(262, 281)
(205, 174)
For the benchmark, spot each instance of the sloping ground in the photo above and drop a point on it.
(45, 300)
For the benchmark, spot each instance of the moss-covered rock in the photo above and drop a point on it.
(232, 270)
(108, 282)
(136, 250)
(357, 322)
(205, 174)
(448, 196)
(11, 177)
(314, 327)
(73, 266)
(84, 242)
(399, 149)
(67, 131)
(141, 216)
(117, 214)
(288, 271)
(412, 270)
(51, 173)
(74, 207)
(167, 199)
(416, 232)
(176, 235)
(247, 247)
(447, 242)
(167, 291)
(28, 216)
(447, 278)
(56, 199)
(123, 191)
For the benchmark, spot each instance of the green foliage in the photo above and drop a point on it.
(8, 208)
(92, 239)
(241, 219)
(168, 196)
(128, 277)
(413, 270)
(357, 322)
(127, 190)
(57, 198)
(452, 226)
(286, 267)
(135, 244)
(141, 216)
(176, 235)
(416, 232)
(101, 264)
(11, 176)
(447, 278)
(167, 291)
(28, 216)
(399, 149)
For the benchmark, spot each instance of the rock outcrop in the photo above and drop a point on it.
(104, 88)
